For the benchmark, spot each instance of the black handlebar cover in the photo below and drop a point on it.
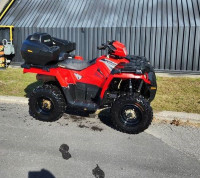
(101, 47)
(106, 45)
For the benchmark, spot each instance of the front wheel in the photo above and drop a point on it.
(131, 114)
(46, 103)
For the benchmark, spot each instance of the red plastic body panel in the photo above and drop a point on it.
(98, 74)
(120, 49)
(90, 75)
(63, 76)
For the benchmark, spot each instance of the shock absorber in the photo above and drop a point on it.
(130, 86)
(140, 86)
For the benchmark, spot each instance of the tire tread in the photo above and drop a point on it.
(127, 99)
(56, 93)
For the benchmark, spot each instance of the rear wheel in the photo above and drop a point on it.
(131, 114)
(46, 103)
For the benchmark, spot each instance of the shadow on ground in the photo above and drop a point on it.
(40, 174)
(76, 112)
(98, 173)
(30, 88)
(105, 117)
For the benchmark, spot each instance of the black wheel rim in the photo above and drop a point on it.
(44, 106)
(131, 115)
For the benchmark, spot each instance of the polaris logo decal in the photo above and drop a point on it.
(109, 63)
(79, 77)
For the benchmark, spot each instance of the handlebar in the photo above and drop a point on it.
(101, 47)
(105, 45)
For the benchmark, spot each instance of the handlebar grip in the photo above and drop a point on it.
(101, 47)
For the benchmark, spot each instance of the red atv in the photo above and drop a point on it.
(125, 83)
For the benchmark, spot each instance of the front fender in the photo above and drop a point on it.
(144, 77)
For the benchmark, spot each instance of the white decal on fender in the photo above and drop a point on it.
(108, 63)
(79, 77)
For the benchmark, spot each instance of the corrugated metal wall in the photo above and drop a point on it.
(165, 31)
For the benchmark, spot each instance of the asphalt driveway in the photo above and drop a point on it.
(92, 148)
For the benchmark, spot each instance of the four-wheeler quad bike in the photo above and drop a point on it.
(125, 83)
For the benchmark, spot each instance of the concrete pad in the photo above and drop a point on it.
(183, 116)
(13, 99)
(177, 75)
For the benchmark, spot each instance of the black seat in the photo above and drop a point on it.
(75, 64)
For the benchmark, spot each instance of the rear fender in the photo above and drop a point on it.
(144, 77)
(60, 74)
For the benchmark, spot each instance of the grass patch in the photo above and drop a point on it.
(174, 94)
(14, 83)
(177, 94)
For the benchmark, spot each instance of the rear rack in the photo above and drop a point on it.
(46, 68)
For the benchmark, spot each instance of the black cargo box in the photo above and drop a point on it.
(40, 49)
(65, 46)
